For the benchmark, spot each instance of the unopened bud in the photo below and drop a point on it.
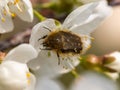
(108, 59)
(94, 60)
(113, 61)
(2, 55)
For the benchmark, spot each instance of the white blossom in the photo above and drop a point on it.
(93, 81)
(14, 73)
(115, 64)
(103, 8)
(10, 8)
(48, 84)
(81, 22)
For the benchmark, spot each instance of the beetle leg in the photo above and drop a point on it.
(58, 58)
(47, 28)
(45, 49)
(42, 37)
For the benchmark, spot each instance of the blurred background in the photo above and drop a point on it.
(107, 35)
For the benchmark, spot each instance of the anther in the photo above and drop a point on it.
(16, 1)
(89, 46)
(3, 19)
(28, 75)
(13, 15)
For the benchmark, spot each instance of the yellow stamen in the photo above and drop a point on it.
(13, 15)
(86, 37)
(3, 19)
(17, 5)
(28, 75)
(16, 1)
(89, 46)
(92, 38)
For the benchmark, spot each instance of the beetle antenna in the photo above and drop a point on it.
(42, 37)
(47, 28)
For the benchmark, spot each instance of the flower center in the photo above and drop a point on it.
(28, 75)
(15, 4)
(9, 8)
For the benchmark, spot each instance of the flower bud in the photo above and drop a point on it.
(113, 61)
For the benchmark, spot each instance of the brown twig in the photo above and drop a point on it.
(21, 37)
(113, 2)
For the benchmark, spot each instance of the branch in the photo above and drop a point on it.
(21, 37)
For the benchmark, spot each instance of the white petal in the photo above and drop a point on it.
(13, 76)
(7, 25)
(88, 26)
(47, 66)
(95, 19)
(40, 30)
(93, 81)
(22, 53)
(27, 14)
(69, 62)
(86, 40)
(25, 11)
(79, 15)
(104, 9)
(115, 65)
(48, 84)
(114, 75)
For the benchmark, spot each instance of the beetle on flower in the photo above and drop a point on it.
(63, 44)
(11, 8)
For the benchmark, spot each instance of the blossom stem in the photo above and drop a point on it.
(42, 18)
(38, 15)
(75, 73)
